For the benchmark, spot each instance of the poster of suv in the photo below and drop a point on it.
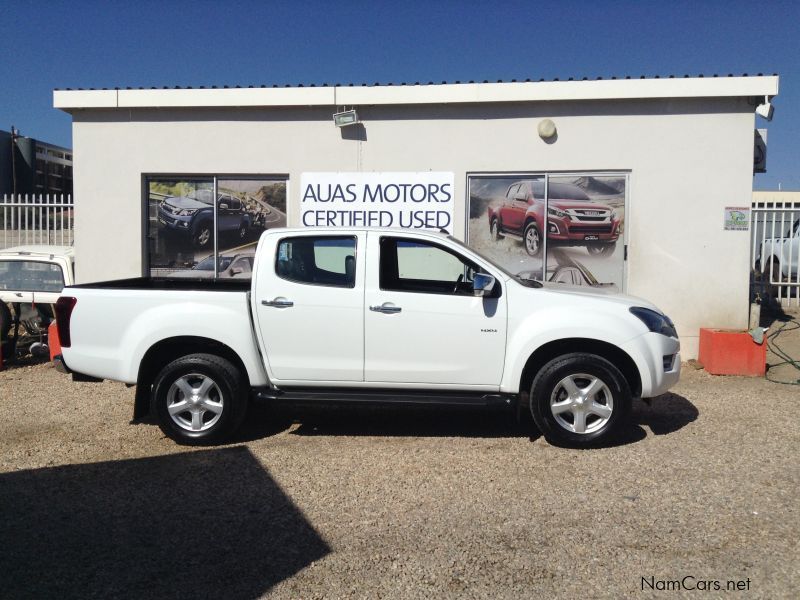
(181, 215)
(582, 216)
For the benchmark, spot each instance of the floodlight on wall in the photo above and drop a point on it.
(765, 109)
(345, 118)
(546, 129)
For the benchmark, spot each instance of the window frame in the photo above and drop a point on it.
(477, 268)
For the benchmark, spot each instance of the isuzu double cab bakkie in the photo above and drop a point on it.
(378, 315)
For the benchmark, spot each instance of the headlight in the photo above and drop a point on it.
(614, 214)
(655, 321)
(556, 212)
(186, 212)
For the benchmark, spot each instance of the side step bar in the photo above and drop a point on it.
(387, 396)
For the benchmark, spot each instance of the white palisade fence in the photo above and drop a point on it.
(36, 219)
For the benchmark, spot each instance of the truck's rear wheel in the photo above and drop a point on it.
(200, 399)
(579, 400)
(494, 230)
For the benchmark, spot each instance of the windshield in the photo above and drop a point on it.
(206, 197)
(207, 264)
(30, 276)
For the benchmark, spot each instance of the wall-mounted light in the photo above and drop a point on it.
(547, 129)
(765, 109)
(345, 118)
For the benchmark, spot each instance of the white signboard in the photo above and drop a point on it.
(409, 200)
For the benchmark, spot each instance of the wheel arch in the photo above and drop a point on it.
(614, 354)
(165, 351)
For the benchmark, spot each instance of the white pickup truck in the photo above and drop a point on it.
(379, 315)
(31, 280)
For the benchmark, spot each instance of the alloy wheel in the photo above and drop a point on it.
(532, 240)
(195, 402)
(581, 403)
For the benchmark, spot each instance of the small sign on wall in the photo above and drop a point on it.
(737, 218)
(358, 199)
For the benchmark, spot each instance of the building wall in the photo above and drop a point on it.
(688, 159)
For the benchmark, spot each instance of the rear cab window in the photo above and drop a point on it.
(31, 276)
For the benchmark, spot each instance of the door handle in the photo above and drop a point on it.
(386, 308)
(278, 302)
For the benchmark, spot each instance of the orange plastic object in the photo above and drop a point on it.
(52, 340)
(731, 352)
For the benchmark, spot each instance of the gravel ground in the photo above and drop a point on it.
(396, 504)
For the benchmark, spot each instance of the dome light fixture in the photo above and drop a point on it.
(547, 129)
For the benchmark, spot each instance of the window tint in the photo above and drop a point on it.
(414, 266)
(324, 260)
(512, 191)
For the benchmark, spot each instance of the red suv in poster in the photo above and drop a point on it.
(573, 218)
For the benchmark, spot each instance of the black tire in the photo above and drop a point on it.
(229, 394)
(494, 230)
(774, 278)
(581, 369)
(601, 249)
(532, 239)
(6, 321)
(203, 235)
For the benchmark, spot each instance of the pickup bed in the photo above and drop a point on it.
(378, 315)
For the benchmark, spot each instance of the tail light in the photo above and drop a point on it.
(64, 306)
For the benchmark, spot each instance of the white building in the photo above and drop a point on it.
(666, 155)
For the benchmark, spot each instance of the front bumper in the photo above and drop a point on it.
(575, 231)
(658, 358)
(170, 221)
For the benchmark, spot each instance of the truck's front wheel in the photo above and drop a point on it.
(579, 400)
(199, 399)
(203, 235)
(532, 239)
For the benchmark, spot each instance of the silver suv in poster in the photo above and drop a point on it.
(194, 216)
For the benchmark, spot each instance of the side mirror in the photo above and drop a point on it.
(237, 271)
(223, 205)
(482, 284)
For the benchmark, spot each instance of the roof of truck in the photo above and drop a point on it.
(39, 250)
(345, 230)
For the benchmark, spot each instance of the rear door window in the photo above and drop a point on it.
(318, 260)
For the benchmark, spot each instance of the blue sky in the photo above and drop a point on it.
(47, 45)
